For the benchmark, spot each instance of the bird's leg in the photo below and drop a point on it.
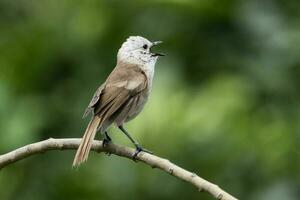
(138, 147)
(106, 139)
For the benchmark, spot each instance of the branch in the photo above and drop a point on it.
(151, 160)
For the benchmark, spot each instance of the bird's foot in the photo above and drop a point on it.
(106, 141)
(139, 149)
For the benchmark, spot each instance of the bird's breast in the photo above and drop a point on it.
(149, 71)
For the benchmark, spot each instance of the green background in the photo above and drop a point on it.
(225, 101)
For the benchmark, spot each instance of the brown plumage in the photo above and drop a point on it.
(123, 95)
(118, 100)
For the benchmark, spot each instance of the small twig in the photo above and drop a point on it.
(151, 160)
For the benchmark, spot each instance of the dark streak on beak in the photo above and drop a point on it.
(154, 44)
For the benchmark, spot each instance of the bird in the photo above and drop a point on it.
(122, 96)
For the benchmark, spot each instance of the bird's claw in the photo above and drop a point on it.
(138, 150)
(105, 142)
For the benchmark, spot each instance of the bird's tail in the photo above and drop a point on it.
(86, 141)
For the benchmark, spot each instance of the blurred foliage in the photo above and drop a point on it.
(225, 102)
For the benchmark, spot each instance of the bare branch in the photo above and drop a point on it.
(151, 160)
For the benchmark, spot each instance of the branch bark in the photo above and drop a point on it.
(151, 160)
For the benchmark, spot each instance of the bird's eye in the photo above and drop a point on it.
(145, 46)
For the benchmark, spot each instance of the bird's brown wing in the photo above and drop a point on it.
(124, 82)
(93, 101)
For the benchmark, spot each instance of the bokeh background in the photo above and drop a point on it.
(225, 102)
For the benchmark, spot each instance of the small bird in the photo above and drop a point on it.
(122, 96)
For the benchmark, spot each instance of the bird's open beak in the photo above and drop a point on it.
(155, 44)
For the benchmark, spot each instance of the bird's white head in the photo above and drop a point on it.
(137, 50)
